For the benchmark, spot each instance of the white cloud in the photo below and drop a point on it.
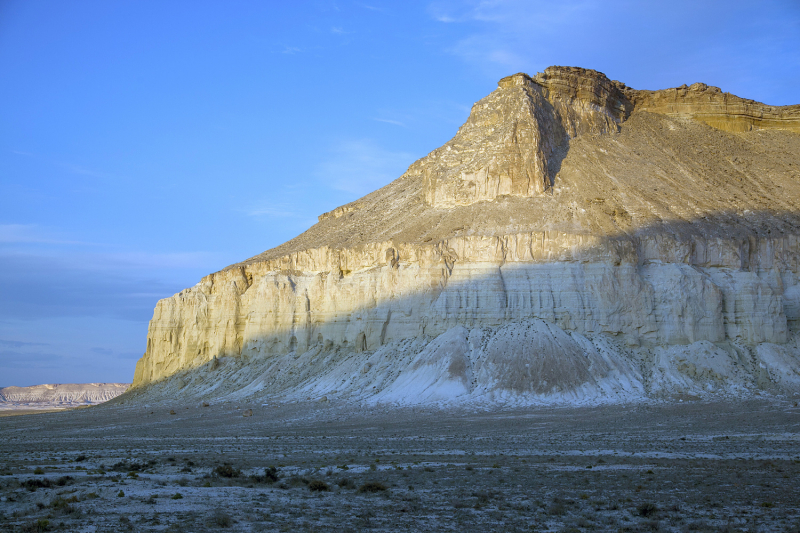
(361, 166)
(389, 121)
(32, 233)
(85, 171)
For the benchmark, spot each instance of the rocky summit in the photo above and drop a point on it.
(577, 241)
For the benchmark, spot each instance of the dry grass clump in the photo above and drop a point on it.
(33, 484)
(646, 509)
(317, 485)
(221, 519)
(271, 475)
(227, 470)
(373, 486)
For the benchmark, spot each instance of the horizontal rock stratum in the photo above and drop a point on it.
(576, 241)
(58, 395)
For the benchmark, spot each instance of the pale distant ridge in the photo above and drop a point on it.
(59, 395)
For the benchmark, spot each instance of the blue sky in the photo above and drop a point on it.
(144, 144)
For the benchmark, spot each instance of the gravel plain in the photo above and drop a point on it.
(690, 466)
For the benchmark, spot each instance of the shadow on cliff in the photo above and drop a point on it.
(607, 317)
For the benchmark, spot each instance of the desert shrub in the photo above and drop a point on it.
(39, 470)
(270, 476)
(646, 509)
(227, 470)
(177, 496)
(298, 481)
(317, 485)
(39, 525)
(372, 486)
(33, 484)
(221, 519)
(125, 466)
(345, 483)
(483, 497)
(557, 509)
(80, 458)
(121, 493)
(64, 505)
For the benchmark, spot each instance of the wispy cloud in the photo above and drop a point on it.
(290, 50)
(33, 233)
(369, 7)
(85, 171)
(20, 344)
(274, 210)
(26, 359)
(729, 48)
(361, 166)
(389, 121)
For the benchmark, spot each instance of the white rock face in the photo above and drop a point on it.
(563, 247)
(59, 395)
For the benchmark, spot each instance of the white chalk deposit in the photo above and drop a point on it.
(577, 241)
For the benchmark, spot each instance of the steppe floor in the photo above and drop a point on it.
(693, 466)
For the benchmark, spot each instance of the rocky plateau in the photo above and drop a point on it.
(577, 242)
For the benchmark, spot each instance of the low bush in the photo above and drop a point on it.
(646, 509)
(271, 475)
(372, 486)
(317, 485)
(227, 470)
(221, 519)
(44, 483)
(39, 525)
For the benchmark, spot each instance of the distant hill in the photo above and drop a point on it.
(59, 395)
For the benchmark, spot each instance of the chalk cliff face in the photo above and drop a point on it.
(577, 240)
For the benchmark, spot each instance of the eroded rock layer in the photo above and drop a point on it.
(576, 240)
(59, 395)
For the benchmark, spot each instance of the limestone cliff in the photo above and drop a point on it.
(577, 239)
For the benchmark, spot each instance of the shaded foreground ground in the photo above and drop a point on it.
(687, 467)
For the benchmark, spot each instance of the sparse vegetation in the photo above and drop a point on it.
(221, 519)
(553, 491)
(646, 509)
(227, 470)
(372, 486)
(317, 485)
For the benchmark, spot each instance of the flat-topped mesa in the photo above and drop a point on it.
(515, 139)
(576, 238)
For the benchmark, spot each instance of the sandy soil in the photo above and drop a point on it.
(693, 466)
